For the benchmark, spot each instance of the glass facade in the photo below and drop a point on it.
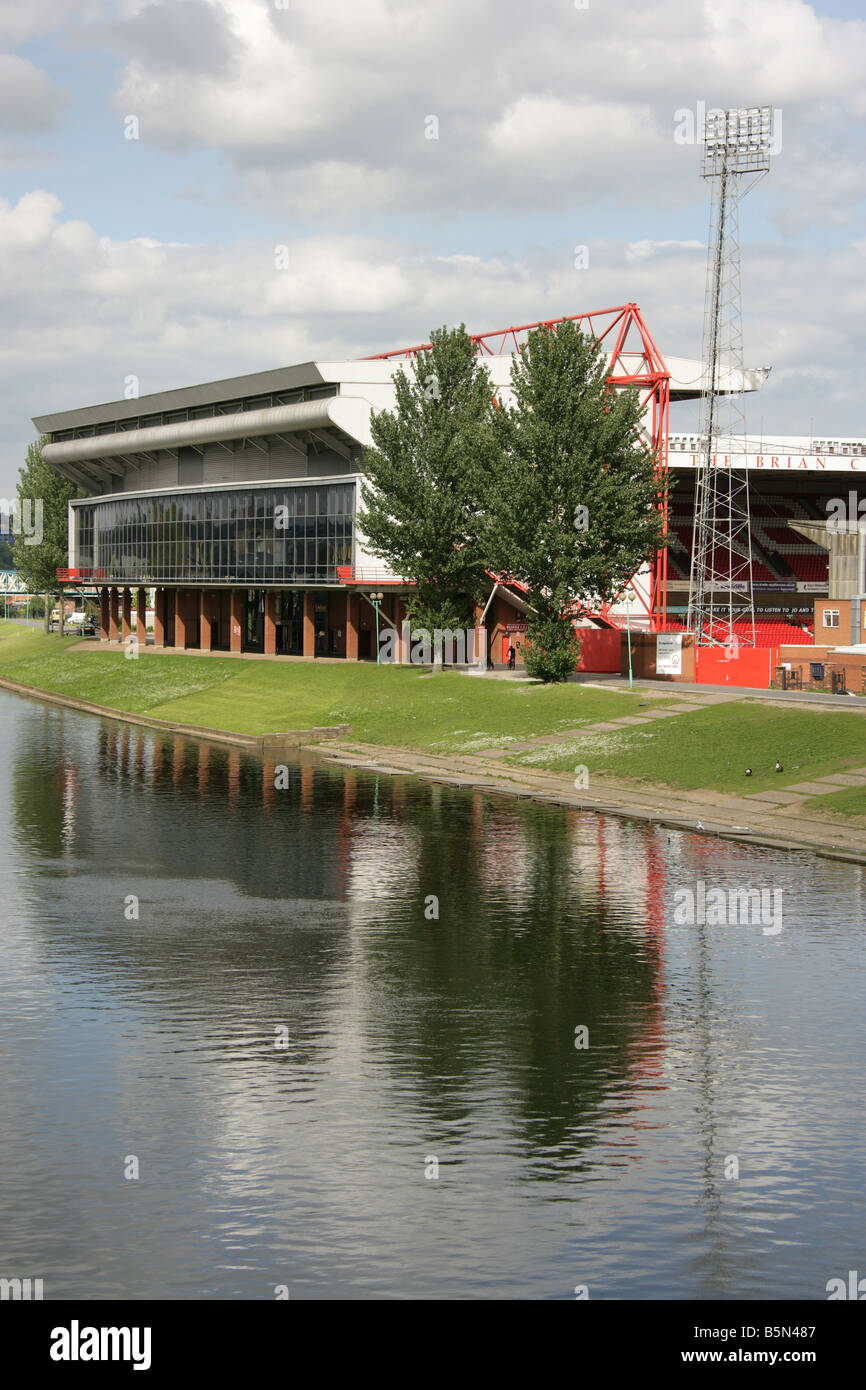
(269, 535)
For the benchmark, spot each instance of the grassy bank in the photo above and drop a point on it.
(711, 748)
(405, 706)
(388, 705)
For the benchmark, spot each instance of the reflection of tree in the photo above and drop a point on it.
(40, 781)
(251, 910)
(491, 993)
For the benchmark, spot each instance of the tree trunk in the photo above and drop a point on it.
(47, 612)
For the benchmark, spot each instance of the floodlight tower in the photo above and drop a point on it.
(737, 146)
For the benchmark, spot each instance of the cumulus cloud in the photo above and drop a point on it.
(551, 104)
(28, 101)
(186, 35)
(83, 311)
(20, 21)
(356, 118)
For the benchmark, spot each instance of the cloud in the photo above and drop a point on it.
(324, 106)
(28, 101)
(21, 21)
(192, 36)
(82, 311)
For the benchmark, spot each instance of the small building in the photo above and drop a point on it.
(836, 661)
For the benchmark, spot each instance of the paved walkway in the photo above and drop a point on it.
(855, 703)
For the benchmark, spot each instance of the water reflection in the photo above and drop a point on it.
(410, 1036)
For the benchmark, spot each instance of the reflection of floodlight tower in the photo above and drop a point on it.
(737, 142)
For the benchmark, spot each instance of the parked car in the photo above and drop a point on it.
(85, 622)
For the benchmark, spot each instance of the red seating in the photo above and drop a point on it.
(772, 509)
(809, 568)
(780, 535)
(803, 561)
(769, 631)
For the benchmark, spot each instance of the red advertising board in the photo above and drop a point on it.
(746, 666)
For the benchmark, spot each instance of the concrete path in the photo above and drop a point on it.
(856, 703)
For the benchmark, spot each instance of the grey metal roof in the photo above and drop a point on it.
(186, 397)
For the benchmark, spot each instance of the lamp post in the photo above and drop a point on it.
(376, 599)
(628, 600)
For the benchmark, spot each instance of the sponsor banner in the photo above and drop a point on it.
(669, 654)
(771, 586)
(771, 463)
(763, 586)
(786, 610)
(802, 610)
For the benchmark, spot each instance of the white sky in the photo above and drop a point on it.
(307, 126)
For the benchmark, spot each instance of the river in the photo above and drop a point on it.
(360, 1036)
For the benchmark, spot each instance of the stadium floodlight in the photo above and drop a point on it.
(737, 143)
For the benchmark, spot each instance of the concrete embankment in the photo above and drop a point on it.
(704, 812)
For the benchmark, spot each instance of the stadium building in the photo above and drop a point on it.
(236, 501)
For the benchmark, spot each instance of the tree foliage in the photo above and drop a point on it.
(43, 498)
(428, 475)
(572, 517)
(39, 483)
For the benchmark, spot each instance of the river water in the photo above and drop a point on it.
(327, 1039)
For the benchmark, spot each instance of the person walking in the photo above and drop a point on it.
(512, 656)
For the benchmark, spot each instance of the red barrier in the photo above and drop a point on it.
(599, 649)
(749, 666)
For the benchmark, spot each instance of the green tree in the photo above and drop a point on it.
(41, 543)
(572, 514)
(427, 476)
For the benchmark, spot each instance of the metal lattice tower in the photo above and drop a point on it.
(737, 145)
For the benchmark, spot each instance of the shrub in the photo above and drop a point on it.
(551, 649)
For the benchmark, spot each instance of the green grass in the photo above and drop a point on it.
(711, 748)
(848, 801)
(105, 678)
(390, 705)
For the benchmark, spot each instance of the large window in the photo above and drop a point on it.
(271, 535)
